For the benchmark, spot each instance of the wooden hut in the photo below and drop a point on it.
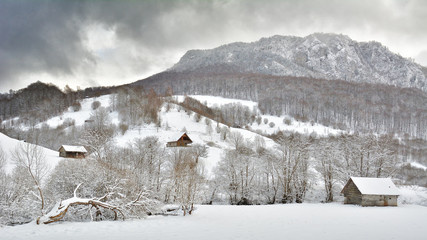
(68, 151)
(182, 141)
(370, 192)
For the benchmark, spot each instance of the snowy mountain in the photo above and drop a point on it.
(319, 55)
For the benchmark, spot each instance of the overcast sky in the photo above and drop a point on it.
(100, 43)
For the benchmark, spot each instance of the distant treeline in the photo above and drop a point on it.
(40, 101)
(352, 106)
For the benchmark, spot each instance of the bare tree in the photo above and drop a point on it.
(236, 139)
(187, 177)
(290, 165)
(32, 158)
(101, 119)
(329, 164)
(97, 141)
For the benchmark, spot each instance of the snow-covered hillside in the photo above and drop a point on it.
(291, 125)
(291, 221)
(9, 145)
(177, 120)
(83, 114)
(319, 55)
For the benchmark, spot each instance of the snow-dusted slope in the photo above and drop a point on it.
(9, 145)
(176, 121)
(319, 55)
(83, 114)
(292, 125)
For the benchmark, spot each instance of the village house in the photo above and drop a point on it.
(182, 141)
(370, 192)
(68, 151)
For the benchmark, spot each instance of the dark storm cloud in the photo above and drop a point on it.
(38, 36)
(48, 36)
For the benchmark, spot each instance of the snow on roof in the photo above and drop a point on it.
(69, 148)
(375, 186)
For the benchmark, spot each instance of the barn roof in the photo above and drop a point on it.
(375, 186)
(69, 148)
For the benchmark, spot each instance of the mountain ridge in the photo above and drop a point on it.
(319, 55)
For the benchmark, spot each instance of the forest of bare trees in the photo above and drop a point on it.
(361, 107)
(248, 175)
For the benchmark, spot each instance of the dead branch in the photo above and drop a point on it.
(60, 209)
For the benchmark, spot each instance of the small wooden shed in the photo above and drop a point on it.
(68, 151)
(370, 192)
(182, 141)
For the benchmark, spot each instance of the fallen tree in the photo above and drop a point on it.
(61, 208)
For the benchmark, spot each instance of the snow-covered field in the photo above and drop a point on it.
(9, 145)
(294, 221)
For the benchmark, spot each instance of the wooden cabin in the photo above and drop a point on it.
(182, 141)
(68, 151)
(370, 192)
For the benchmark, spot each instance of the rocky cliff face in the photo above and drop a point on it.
(319, 55)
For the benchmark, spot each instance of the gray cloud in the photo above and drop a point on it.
(47, 37)
(38, 36)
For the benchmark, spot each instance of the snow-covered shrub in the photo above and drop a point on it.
(265, 120)
(76, 106)
(123, 128)
(301, 117)
(208, 121)
(20, 205)
(224, 133)
(287, 121)
(197, 117)
(218, 128)
(258, 120)
(68, 122)
(271, 124)
(95, 105)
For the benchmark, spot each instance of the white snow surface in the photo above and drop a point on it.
(295, 126)
(418, 165)
(9, 145)
(292, 221)
(375, 186)
(213, 101)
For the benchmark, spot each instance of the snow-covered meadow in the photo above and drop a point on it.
(9, 145)
(292, 221)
